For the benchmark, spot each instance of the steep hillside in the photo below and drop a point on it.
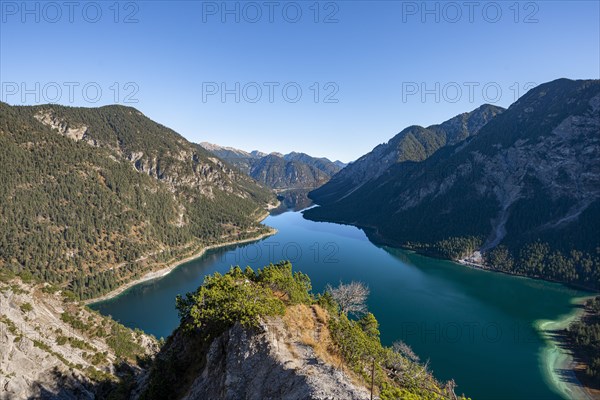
(93, 198)
(525, 191)
(50, 347)
(414, 143)
(263, 335)
(279, 171)
(238, 158)
(322, 164)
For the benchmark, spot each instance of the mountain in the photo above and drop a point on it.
(92, 198)
(340, 164)
(229, 152)
(257, 154)
(525, 191)
(276, 170)
(278, 173)
(236, 157)
(414, 143)
(322, 164)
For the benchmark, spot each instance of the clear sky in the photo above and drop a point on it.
(230, 72)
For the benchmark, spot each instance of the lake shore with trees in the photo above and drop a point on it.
(165, 271)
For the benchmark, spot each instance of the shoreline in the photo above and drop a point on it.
(555, 358)
(483, 267)
(171, 267)
(556, 361)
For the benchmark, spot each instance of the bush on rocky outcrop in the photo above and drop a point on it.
(249, 298)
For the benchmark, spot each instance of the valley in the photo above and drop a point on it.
(472, 326)
(107, 210)
(305, 200)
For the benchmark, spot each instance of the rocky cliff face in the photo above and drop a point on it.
(52, 348)
(284, 357)
(151, 148)
(272, 362)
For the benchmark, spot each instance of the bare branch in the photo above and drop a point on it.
(405, 350)
(351, 297)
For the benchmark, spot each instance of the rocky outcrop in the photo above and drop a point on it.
(264, 364)
(45, 354)
(50, 119)
(284, 357)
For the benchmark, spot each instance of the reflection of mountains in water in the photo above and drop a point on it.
(292, 200)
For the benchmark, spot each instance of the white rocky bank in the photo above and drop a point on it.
(41, 355)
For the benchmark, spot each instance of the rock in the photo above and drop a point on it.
(33, 364)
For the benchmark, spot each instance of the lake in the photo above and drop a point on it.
(474, 326)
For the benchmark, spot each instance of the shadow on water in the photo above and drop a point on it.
(292, 200)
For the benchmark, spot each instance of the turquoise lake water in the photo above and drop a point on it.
(474, 326)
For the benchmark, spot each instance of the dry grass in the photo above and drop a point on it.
(283, 296)
(321, 314)
(308, 326)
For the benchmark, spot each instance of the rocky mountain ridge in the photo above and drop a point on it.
(50, 347)
(279, 171)
(272, 362)
(414, 143)
(263, 335)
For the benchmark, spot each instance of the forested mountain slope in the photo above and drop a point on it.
(91, 198)
(525, 190)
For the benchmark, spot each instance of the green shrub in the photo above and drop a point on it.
(279, 277)
(74, 321)
(26, 307)
(223, 300)
(121, 341)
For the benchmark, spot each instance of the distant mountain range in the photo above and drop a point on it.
(91, 198)
(279, 171)
(521, 185)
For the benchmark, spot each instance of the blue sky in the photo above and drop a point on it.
(365, 69)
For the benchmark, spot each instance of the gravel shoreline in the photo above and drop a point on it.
(556, 359)
(165, 271)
